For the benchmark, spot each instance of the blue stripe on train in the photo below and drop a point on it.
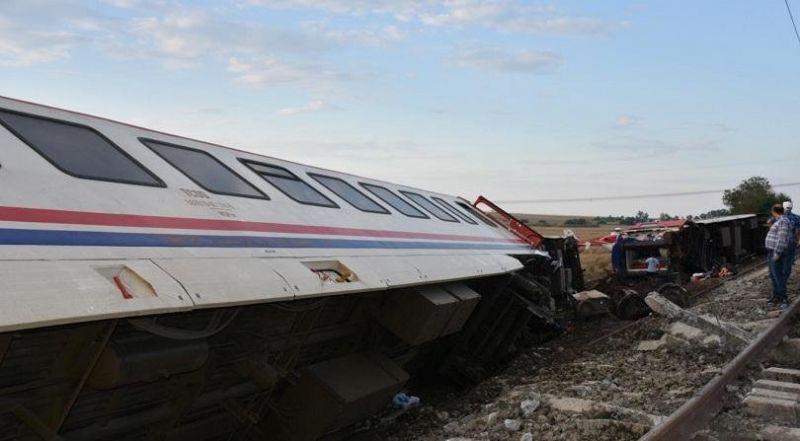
(113, 239)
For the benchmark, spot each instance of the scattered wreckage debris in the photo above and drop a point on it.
(714, 273)
(617, 388)
(629, 304)
(661, 305)
(591, 303)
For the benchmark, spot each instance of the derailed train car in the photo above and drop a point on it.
(160, 287)
(685, 247)
(731, 240)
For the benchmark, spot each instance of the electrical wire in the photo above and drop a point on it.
(794, 24)
(624, 197)
(218, 322)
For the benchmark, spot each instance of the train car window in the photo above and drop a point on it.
(289, 184)
(350, 194)
(204, 169)
(454, 210)
(429, 206)
(77, 150)
(394, 200)
(474, 211)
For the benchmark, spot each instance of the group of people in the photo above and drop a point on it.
(781, 244)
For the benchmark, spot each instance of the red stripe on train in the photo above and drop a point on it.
(39, 215)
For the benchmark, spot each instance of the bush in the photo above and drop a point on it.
(575, 222)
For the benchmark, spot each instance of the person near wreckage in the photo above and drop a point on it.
(794, 222)
(777, 243)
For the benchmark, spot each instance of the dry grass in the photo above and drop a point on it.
(553, 225)
(582, 233)
(552, 219)
(596, 263)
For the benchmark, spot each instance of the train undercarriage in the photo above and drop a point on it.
(287, 371)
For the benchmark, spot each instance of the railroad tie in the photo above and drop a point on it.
(777, 396)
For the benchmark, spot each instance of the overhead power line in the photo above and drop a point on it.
(631, 196)
(794, 25)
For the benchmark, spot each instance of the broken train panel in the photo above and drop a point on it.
(159, 287)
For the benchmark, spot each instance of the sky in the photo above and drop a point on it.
(514, 100)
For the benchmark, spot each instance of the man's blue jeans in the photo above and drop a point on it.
(777, 273)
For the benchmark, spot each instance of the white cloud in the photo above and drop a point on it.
(267, 71)
(317, 105)
(373, 37)
(21, 46)
(122, 3)
(511, 16)
(627, 120)
(400, 9)
(182, 35)
(186, 37)
(524, 61)
(176, 35)
(501, 15)
(643, 148)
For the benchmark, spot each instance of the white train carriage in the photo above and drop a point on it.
(160, 287)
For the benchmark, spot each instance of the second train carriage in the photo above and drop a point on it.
(160, 287)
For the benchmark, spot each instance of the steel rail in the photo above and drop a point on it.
(696, 413)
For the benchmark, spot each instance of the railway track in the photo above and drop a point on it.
(756, 396)
(697, 413)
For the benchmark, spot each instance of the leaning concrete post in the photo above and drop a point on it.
(660, 305)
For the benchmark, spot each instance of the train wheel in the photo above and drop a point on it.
(631, 305)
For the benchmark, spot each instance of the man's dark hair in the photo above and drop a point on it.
(777, 209)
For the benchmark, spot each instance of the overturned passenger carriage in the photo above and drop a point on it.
(160, 287)
(686, 246)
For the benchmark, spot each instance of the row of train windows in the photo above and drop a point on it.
(85, 153)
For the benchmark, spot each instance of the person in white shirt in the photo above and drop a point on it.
(652, 266)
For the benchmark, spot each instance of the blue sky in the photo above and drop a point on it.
(510, 99)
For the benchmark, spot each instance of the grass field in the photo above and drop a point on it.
(583, 233)
(551, 219)
(553, 225)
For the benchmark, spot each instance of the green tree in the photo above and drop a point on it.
(753, 195)
(579, 221)
(642, 216)
(665, 217)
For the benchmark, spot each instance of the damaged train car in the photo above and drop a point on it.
(685, 247)
(157, 287)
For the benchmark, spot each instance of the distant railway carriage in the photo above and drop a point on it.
(685, 247)
(160, 287)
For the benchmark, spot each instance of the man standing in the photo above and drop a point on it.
(794, 233)
(617, 253)
(652, 263)
(777, 245)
